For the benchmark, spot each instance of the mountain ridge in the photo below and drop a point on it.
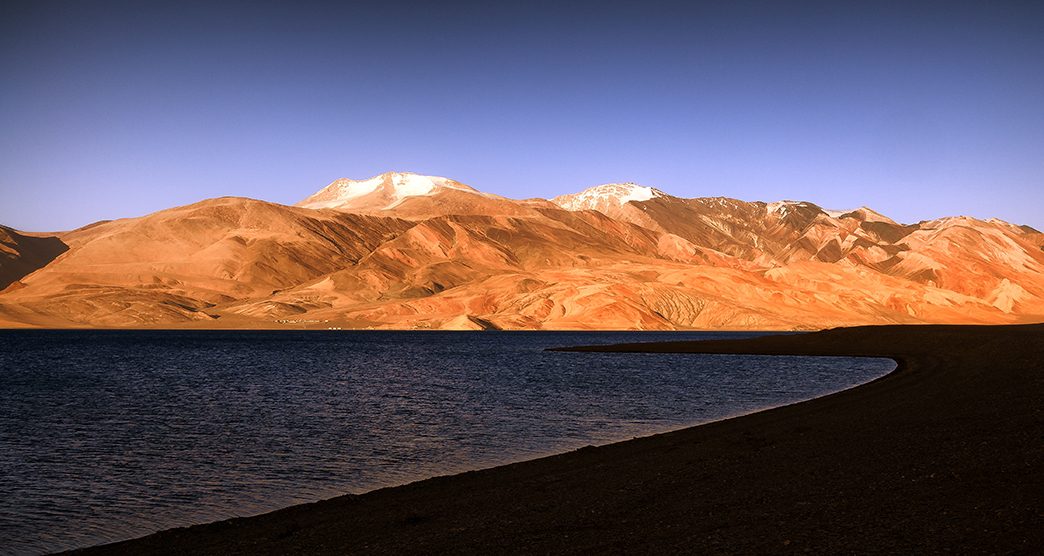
(403, 250)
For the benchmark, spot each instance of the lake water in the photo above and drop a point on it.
(109, 435)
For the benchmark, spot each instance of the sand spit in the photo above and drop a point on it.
(942, 455)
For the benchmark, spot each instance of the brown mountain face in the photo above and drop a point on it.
(408, 251)
(171, 266)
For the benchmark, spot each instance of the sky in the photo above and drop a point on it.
(918, 110)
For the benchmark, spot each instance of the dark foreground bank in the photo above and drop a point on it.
(944, 454)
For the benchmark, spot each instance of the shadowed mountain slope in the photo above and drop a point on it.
(21, 253)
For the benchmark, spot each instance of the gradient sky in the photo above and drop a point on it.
(112, 109)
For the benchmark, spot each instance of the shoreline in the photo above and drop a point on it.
(942, 453)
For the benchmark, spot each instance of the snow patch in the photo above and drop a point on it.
(341, 191)
(782, 207)
(413, 185)
(638, 193)
(408, 184)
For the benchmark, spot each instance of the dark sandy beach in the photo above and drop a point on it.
(946, 454)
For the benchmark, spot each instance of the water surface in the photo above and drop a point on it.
(108, 435)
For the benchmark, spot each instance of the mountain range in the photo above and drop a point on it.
(404, 251)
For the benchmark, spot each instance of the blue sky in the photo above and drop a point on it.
(919, 110)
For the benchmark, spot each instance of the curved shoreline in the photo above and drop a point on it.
(943, 453)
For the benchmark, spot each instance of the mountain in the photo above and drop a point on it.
(409, 195)
(171, 266)
(962, 254)
(402, 250)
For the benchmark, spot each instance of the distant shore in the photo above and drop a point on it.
(942, 455)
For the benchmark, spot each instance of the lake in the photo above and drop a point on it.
(109, 435)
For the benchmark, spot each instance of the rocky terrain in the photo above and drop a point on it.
(401, 250)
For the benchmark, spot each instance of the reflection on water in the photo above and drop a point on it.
(108, 435)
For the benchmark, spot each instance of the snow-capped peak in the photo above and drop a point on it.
(391, 187)
(610, 194)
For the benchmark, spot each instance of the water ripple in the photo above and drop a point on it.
(110, 435)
